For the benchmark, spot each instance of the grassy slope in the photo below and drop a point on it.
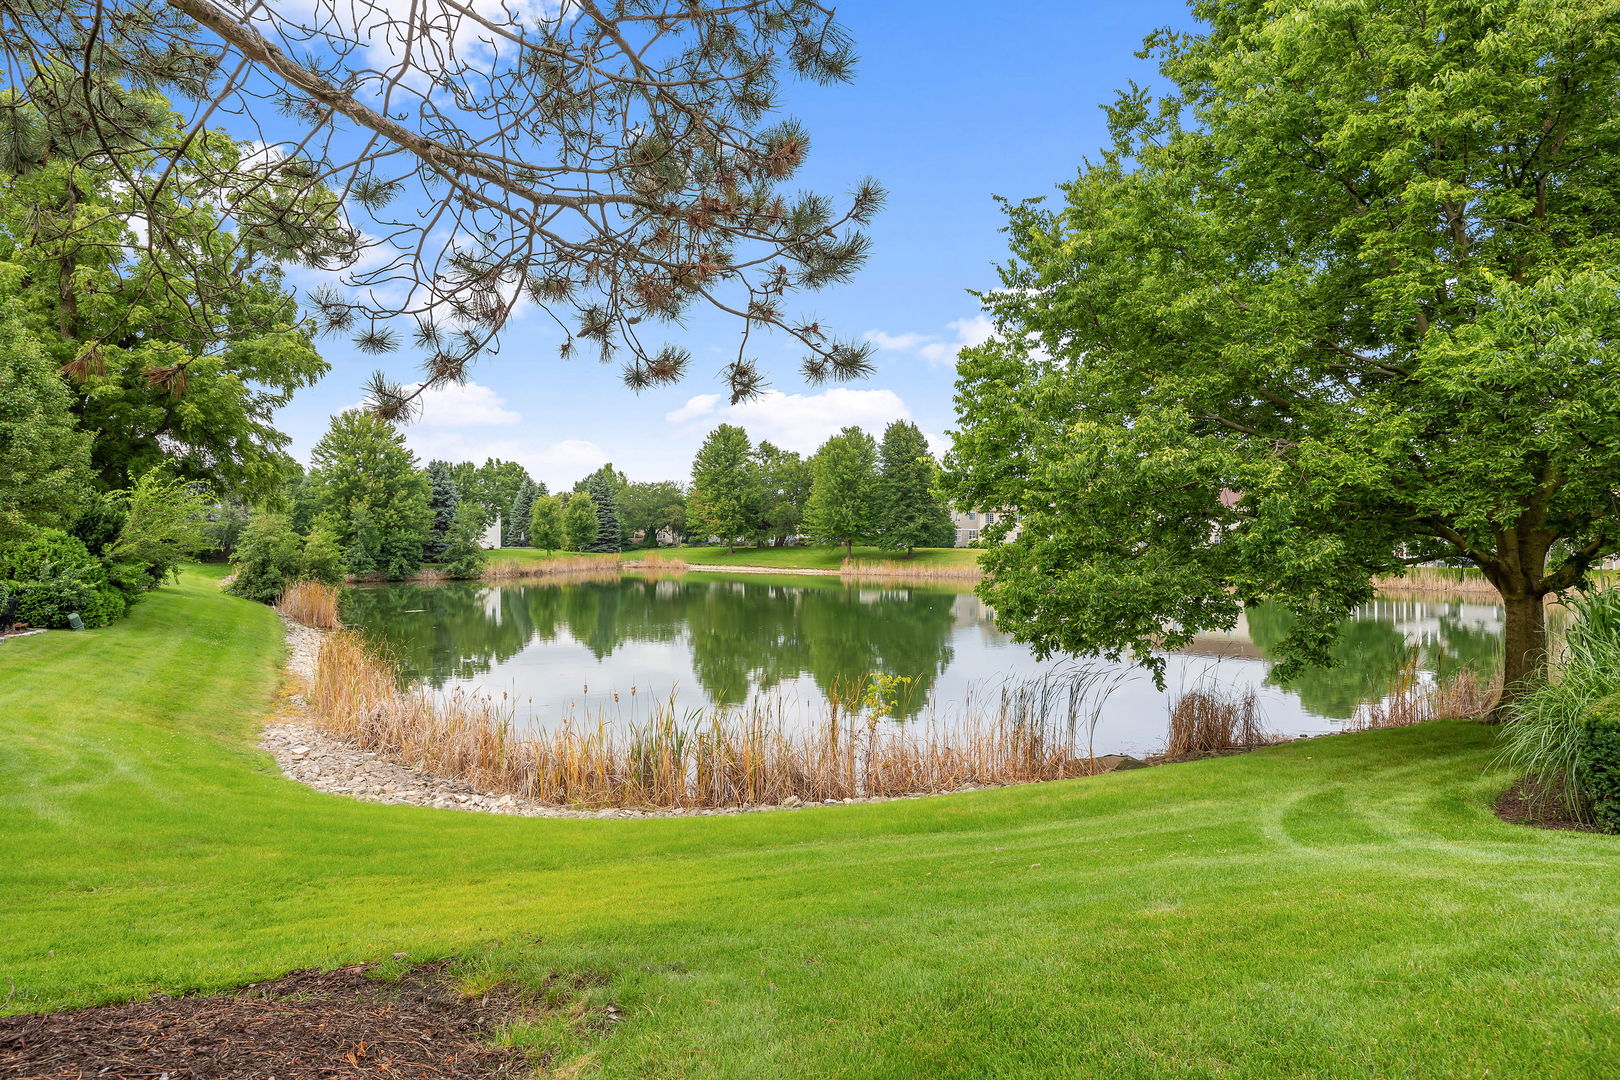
(798, 558)
(1341, 908)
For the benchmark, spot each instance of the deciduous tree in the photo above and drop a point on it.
(367, 483)
(724, 497)
(45, 474)
(580, 524)
(784, 485)
(843, 490)
(1346, 302)
(910, 511)
(546, 523)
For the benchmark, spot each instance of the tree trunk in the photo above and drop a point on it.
(849, 549)
(1524, 650)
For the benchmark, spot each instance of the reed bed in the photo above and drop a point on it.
(1438, 582)
(1209, 719)
(1414, 701)
(717, 758)
(311, 603)
(579, 567)
(896, 570)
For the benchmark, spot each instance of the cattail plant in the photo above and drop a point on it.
(751, 755)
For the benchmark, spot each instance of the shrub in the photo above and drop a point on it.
(1552, 724)
(463, 555)
(1599, 757)
(323, 555)
(53, 575)
(166, 520)
(268, 558)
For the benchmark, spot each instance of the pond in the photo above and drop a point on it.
(610, 649)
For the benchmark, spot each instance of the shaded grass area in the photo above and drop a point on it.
(796, 558)
(1346, 907)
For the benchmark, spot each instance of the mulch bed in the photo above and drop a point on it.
(304, 1025)
(1528, 802)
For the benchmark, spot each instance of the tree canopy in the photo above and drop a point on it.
(366, 482)
(177, 354)
(1346, 301)
(614, 165)
(843, 506)
(910, 512)
(724, 495)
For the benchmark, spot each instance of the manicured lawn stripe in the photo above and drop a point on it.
(1346, 907)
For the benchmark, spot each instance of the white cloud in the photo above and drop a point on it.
(964, 333)
(466, 404)
(557, 464)
(801, 422)
(702, 405)
(896, 342)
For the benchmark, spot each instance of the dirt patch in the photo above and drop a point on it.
(1529, 802)
(304, 1025)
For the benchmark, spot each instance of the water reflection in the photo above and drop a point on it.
(559, 647)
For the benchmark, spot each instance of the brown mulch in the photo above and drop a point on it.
(1529, 802)
(304, 1025)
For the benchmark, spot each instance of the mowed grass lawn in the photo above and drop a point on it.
(1347, 907)
(795, 558)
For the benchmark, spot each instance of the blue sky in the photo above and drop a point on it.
(954, 103)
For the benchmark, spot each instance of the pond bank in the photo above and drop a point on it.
(337, 766)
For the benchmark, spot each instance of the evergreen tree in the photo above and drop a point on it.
(444, 502)
(609, 531)
(546, 523)
(367, 482)
(843, 490)
(522, 505)
(724, 497)
(580, 523)
(784, 484)
(910, 512)
(496, 484)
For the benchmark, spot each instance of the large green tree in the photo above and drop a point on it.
(843, 506)
(546, 523)
(910, 512)
(1347, 301)
(604, 500)
(784, 486)
(724, 495)
(167, 313)
(45, 474)
(367, 483)
(649, 507)
(580, 523)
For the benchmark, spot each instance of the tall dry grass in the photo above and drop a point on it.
(1437, 582)
(1414, 701)
(897, 570)
(1206, 719)
(579, 567)
(704, 758)
(311, 603)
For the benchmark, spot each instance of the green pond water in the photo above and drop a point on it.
(611, 649)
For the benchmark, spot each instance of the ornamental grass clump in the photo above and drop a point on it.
(1565, 733)
(1206, 719)
(1415, 701)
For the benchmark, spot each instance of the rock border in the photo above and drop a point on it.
(335, 766)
